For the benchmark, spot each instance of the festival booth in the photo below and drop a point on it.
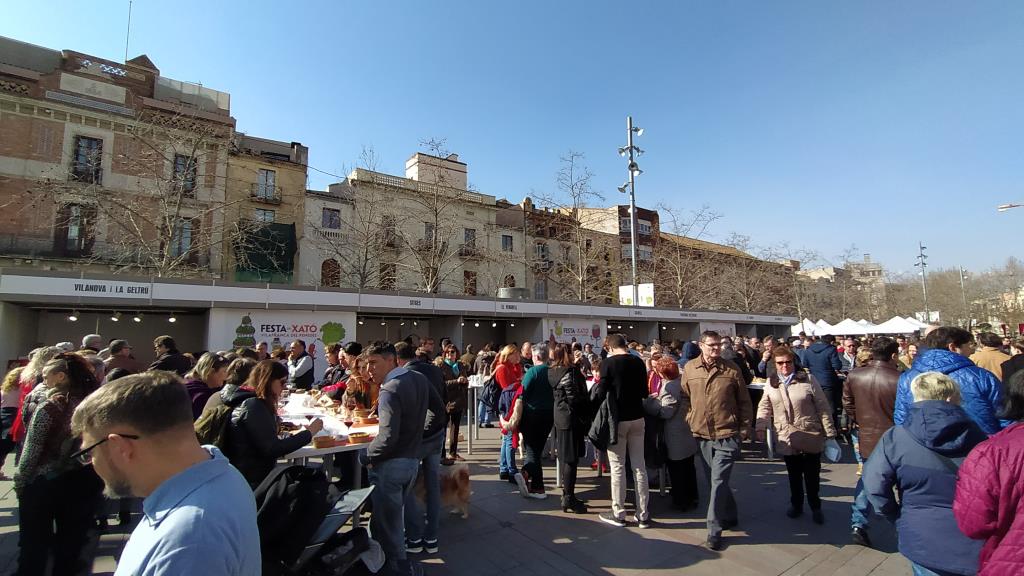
(806, 326)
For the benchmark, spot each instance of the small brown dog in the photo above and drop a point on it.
(454, 488)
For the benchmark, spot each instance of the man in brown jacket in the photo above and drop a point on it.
(720, 415)
(989, 356)
(869, 399)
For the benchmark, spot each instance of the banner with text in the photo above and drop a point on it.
(235, 328)
(569, 330)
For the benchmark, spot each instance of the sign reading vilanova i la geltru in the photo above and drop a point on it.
(232, 329)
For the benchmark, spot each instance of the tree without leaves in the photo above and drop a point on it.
(166, 223)
(684, 271)
(584, 259)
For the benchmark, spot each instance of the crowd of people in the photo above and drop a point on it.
(934, 425)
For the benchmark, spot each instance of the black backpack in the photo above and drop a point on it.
(491, 393)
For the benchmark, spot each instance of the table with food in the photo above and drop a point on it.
(345, 428)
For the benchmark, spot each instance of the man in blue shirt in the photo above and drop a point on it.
(199, 512)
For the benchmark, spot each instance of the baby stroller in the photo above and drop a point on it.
(300, 514)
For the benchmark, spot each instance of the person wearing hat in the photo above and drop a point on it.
(121, 357)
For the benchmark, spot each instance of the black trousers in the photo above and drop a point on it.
(454, 422)
(58, 517)
(804, 472)
(683, 474)
(535, 428)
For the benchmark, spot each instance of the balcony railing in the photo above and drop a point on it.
(329, 234)
(425, 245)
(265, 193)
(469, 251)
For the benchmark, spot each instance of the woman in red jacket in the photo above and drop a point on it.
(507, 367)
(989, 502)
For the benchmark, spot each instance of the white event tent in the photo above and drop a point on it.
(850, 327)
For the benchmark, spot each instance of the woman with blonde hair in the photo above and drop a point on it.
(58, 496)
(30, 377)
(10, 393)
(206, 378)
(508, 372)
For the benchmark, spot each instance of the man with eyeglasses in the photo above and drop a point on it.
(720, 415)
(199, 515)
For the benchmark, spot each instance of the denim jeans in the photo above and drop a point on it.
(855, 436)
(919, 570)
(393, 482)
(717, 458)
(861, 509)
(507, 455)
(415, 529)
(483, 414)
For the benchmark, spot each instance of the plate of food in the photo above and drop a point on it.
(359, 437)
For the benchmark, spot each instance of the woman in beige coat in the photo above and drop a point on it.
(796, 407)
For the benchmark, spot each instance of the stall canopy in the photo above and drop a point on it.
(822, 327)
(850, 327)
(920, 325)
(806, 326)
(896, 325)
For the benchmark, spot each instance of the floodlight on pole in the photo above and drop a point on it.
(634, 171)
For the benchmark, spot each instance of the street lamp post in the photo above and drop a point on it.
(921, 261)
(963, 294)
(632, 151)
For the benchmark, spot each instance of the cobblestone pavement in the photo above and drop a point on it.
(507, 534)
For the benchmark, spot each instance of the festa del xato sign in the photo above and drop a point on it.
(569, 330)
(231, 329)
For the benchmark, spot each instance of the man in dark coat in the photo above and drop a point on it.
(168, 358)
(823, 361)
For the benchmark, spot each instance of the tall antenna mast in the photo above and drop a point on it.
(128, 34)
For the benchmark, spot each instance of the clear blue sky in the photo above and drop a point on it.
(826, 124)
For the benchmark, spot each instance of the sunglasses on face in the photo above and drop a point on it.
(783, 362)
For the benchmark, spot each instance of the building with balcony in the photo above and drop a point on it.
(109, 166)
(266, 192)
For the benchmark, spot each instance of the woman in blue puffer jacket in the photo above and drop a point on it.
(946, 350)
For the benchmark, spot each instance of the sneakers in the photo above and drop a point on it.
(430, 546)
(642, 523)
(537, 494)
(414, 547)
(502, 475)
(714, 543)
(609, 518)
(521, 483)
(859, 536)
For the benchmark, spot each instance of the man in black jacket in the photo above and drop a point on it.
(824, 364)
(420, 537)
(168, 358)
(393, 457)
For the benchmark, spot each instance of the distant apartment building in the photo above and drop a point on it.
(107, 165)
(110, 167)
(266, 188)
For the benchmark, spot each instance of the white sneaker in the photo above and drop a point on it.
(521, 483)
(536, 495)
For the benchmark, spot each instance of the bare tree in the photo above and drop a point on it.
(685, 268)
(434, 250)
(755, 284)
(366, 244)
(162, 220)
(584, 258)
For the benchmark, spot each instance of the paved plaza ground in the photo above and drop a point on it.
(507, 534)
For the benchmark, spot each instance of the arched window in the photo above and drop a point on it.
(330, 273)
(510, 281)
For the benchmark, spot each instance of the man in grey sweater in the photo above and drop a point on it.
(393, 457)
